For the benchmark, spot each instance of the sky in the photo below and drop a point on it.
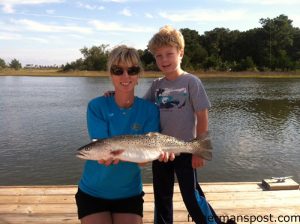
(52, 32)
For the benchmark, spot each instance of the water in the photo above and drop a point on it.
(254, 123)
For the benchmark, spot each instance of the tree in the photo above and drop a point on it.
(75, 65)
(245, 65)
(148, 60)
(251, 44)
(2, 63)
(279, 38)
(95, 58)
(274, 46)
(216, 42)
(194, 52)
(294, 51)
(15, 64)
(229, 50)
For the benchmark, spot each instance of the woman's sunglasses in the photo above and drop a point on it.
(117, 70)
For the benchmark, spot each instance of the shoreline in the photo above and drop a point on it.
(147, 74)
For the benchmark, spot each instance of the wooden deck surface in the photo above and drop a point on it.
(243, 201)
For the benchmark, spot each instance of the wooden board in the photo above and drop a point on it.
(56, 204)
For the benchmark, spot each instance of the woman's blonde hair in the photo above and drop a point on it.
(123, 54)
(166, 36)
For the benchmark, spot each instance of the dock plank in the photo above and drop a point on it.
(149, 197)
(56, 204)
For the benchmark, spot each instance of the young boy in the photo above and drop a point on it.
(183, 105)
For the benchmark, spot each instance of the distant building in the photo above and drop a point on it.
(29, 66)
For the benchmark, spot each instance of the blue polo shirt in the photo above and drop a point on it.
(105, 119)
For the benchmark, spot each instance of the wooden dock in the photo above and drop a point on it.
(242, 201)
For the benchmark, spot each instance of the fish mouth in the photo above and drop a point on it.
(80, 155)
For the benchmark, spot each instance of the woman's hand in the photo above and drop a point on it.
(166, 156)
(111, 160)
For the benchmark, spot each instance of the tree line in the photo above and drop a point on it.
(275, 46)
(16, 64)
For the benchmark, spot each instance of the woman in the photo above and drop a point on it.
(111, 191)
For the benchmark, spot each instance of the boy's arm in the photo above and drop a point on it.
(201, 129)
(202, 122)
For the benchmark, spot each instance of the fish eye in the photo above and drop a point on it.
(87, 148)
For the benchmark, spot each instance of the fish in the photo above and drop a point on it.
(143, 148)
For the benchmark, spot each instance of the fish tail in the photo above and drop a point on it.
(203, 148)
(207, 155)
(206, 144)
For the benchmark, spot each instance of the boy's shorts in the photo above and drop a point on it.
(88, 205)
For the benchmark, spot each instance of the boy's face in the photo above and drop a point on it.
(168, 59)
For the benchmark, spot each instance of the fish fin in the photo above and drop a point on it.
(206, 144)
(203, 143)
(207, 155)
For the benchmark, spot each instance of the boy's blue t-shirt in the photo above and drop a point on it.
(105, 119)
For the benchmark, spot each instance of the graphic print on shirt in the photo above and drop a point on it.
(167, 98)
(136, 127)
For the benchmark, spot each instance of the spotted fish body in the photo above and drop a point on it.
(143, 148)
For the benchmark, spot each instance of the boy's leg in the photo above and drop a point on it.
(191, 192)
(163, 186)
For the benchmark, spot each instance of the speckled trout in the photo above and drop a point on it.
(143, 148)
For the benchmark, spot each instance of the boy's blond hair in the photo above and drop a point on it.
(166, 36)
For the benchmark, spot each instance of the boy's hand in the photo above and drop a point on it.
(197, 162)
(166, 156)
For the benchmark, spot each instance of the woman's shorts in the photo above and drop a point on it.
(88, 205)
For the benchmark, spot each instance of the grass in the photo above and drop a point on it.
(201, 74)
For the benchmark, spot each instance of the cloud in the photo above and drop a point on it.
(203, 15)
(149, 15)
(117, 1)
(124, 1)
(112, 26)
(89, 7)
(50, 11)
(7, 9)
(46, 28)
(29, 2)
(266, 2)
(7, 5)
(40, 40)
(53, 16)
(126, 12)
(10, 36)
(296, 20)
(37, 56)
